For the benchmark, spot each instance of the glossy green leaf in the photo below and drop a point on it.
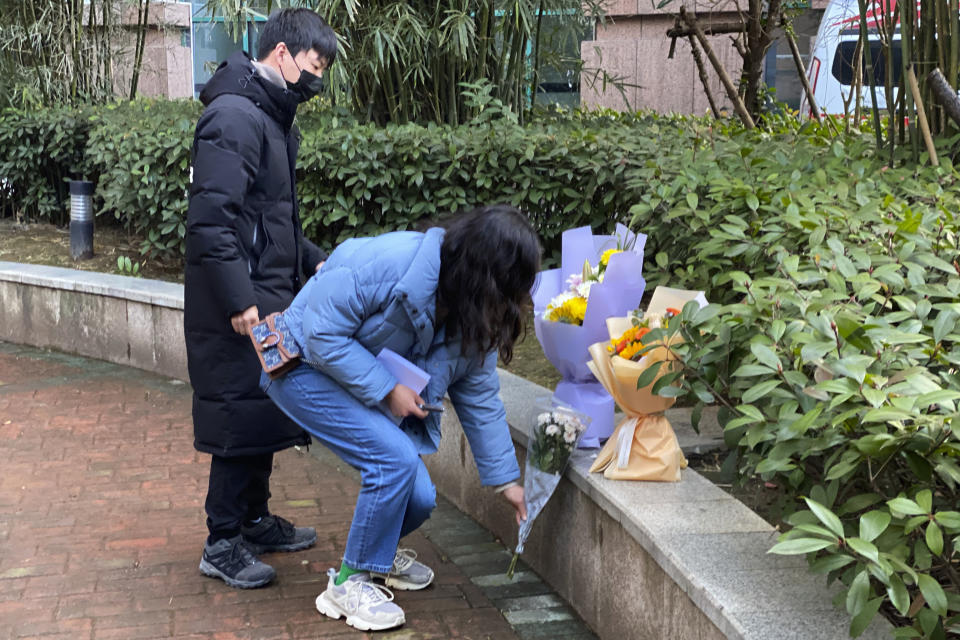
(866, 549)
(873, 523)
(933, 593)
(798, 546)
(759, 390)
(905, 506)
(862, 620)
(949, 519)
(934, 538)
(859, 593)
(827, 517)
(899, 597)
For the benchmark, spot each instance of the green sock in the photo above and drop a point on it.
(345, 572)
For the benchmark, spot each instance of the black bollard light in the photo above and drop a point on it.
(81, 219)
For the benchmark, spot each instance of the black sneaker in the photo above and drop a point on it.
(273, 533)
(232, 560)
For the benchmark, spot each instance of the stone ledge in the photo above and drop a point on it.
(129, 321)
(154, 292)
(636, 560)
(709, 544)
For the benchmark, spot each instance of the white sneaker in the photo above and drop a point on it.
(366, 605)
(407, 574)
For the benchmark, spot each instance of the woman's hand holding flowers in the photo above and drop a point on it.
(514, 496)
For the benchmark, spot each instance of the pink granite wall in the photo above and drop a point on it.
(635, 49)
(167, 69)
(631, 46)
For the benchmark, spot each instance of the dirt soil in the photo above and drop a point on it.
(48, 244)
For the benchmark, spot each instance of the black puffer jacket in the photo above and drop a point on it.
(245, 247)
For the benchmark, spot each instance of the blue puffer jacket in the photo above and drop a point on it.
(381, 292)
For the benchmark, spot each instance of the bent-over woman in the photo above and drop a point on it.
(448, 300)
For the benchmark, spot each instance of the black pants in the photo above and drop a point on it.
(239, 490)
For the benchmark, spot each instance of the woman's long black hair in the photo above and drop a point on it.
(488, 264)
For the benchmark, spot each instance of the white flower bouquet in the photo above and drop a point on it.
(554, 438)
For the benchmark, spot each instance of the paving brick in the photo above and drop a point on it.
(77, 627)
(100, 605)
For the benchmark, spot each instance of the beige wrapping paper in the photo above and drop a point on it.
(643, 446)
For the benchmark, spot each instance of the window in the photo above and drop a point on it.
(843, 62)
(559, 81)
(213, 43)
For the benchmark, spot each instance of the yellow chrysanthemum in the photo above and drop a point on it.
(570, 311)
(605, 258)
(631, 350)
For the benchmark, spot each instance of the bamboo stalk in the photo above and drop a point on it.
(535, 82)
(908, 16)
(144, 21)
(889, 25)
(483, 44)
(704, 79)
(943, 31)
(922, 117)
(738, 105)
(868, 55)
(954, 67)
(499, 79)
(802, 72)
(452, 85)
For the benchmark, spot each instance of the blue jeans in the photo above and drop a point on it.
(396, 493)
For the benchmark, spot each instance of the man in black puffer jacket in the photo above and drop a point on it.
(246, 258)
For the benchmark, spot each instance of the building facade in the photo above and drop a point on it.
(165, 70)
(631, 46)
(626, 62)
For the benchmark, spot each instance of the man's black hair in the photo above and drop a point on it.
(300, 30)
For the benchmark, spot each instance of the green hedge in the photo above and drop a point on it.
(833, 355)
(353, 179)
(140, 153)
(563, 170)
(41, 150)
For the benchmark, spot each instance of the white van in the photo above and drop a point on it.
(830, 69)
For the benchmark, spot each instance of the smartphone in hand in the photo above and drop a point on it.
(433, 408)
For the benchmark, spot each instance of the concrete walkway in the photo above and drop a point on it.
(101, 526)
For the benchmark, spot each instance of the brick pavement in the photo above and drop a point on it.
(101, 525)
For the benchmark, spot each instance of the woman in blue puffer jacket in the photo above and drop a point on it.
(450, 301)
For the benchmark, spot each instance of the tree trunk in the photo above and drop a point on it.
(945, 94)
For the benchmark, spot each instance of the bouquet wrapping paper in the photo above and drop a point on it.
(566, 346)
(643, 446)
(554, 438)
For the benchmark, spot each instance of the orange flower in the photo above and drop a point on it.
(630, 343)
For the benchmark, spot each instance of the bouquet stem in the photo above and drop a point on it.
(513, 565)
